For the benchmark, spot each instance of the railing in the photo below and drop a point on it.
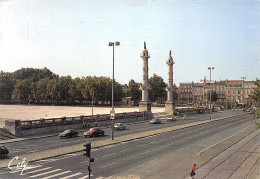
(77, 120)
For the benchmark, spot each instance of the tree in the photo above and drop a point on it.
(75, 89)
(255, 95)
(214, 96)
(22, 90)
(53, 91)
(7, 83)
(157, 90)
(175, 95)
(133, 90)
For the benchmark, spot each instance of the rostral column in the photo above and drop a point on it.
(145, 104)
(170, 104)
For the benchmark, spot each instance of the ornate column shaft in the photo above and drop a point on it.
(169, 105)
(145, 105)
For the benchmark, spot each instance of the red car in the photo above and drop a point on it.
(94, 132)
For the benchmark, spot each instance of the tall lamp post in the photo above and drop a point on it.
(243, 87)
(113, 44)
(210, 112)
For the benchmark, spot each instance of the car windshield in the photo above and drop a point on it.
(117, 124)
(92, 129)
(67, 131)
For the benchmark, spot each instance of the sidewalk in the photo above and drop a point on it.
(236, 162)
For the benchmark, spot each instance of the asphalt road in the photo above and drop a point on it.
(129, 157)
(53, 142)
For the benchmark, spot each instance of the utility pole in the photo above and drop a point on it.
(243, 87)
(113, 44)
(210, 112)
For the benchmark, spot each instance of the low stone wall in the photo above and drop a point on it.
(47, 126)
(191, 111)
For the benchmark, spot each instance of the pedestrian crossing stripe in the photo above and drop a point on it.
(45, 173)
(75, 174)
(50, 173)
(58, 174)
(34, 171)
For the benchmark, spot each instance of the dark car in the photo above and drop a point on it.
(69, 133)
(3, 152)
(94, 132)
(155, 121)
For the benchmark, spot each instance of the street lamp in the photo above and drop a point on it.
(113, 44)
(210, 112)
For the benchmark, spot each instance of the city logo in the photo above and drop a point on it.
(20, 166)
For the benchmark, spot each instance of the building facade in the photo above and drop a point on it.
(228, 91)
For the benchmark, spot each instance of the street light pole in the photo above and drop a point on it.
(113, 44)
(210, 112)
(243, 87)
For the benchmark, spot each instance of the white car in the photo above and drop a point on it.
(119, 126)
(155, 121)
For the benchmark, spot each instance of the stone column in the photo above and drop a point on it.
(170, 104)
(145, 104)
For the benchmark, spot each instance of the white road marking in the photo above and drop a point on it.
(86, 176)
(38, 170)
(29, 168)
(71, 175)
(44, 173)
(56, 175)
(109, 154)
(109, 164)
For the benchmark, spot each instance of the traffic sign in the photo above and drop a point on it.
(112, 114)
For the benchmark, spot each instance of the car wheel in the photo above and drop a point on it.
(124, 128)
(60, 137)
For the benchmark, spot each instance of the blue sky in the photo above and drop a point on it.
(71, 37)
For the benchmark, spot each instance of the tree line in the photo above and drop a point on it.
(41, 86)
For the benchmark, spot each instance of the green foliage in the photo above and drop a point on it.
(133, 90)
(255, 96)
(257, 113)
(41, 86)
(214, 96)
(7, 83)
(157, 90)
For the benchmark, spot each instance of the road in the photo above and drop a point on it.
(39, 144)
(132, 157)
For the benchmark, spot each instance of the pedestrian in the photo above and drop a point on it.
(193, 170)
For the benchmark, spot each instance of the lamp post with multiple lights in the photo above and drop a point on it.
(113, 44)
(210, 112)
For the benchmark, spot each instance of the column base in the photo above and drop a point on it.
(169, 107)
(145, 106)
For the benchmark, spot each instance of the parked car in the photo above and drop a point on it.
(69, 133)
(94, 132)
(155, 121)
(118, 126)
(3, 152)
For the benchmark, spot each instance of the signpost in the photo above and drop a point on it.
(112, 114)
